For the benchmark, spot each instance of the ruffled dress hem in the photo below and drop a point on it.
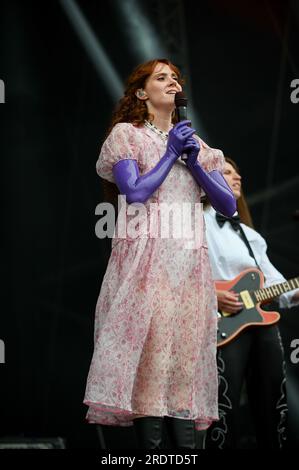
(100, 413)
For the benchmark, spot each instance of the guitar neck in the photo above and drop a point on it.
(268, 293)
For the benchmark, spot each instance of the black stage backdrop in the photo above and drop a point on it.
(241, 58)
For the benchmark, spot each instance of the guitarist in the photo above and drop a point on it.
(256, 356)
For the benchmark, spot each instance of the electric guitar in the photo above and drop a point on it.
(249, 285)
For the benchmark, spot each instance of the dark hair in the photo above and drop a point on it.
(242, 206)
(131, 109)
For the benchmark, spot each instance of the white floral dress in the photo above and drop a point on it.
(155, 323)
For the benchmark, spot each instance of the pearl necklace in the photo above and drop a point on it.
(162, 134)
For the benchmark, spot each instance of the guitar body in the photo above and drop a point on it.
(231, 325)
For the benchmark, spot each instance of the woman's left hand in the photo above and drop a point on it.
(295, 297)
(192, 149)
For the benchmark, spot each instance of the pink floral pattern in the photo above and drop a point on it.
(155, 322)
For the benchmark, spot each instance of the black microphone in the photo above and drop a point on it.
(181, 102)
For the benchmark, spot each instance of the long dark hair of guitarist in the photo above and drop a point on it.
(250, 359)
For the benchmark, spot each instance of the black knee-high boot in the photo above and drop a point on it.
(182, 433)
(149, 432)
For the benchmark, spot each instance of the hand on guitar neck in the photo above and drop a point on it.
(295, 297)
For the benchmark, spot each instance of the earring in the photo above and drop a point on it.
(140, 93)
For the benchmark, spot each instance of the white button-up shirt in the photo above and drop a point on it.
(229, 255)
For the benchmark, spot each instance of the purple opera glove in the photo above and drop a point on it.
(214, 185)
(139, 188)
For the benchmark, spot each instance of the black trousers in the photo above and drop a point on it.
(256, 357)
(149, 432)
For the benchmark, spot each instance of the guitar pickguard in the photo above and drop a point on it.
(249, 285)
(229, 324)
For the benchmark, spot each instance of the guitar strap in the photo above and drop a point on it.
(245, 240)
(236, 225)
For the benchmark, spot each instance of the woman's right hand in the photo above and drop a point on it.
(138, 188)
(177, 138)
(228, 301)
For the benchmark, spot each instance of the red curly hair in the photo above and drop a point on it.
(131, 109)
